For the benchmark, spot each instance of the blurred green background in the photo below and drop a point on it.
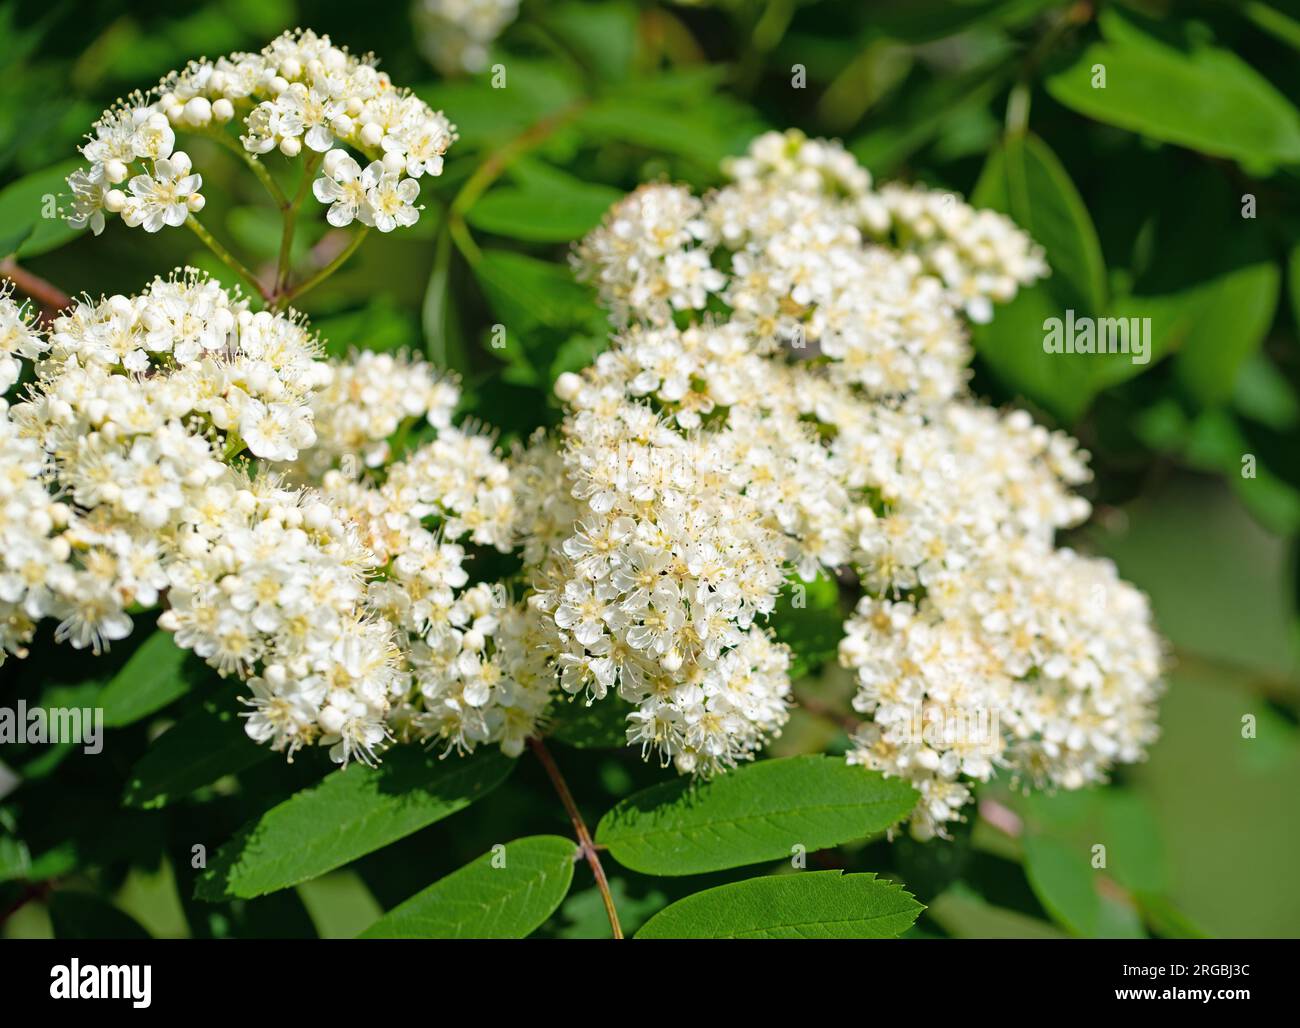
(1172, 193)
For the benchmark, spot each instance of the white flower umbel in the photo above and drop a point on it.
(464, 647)
(139, 402)
(656, 576)
(268, 583)
(803, 336)
(300, 96)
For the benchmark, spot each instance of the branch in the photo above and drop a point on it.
(585, 844)
(45, 293)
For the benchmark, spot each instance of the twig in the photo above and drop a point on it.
(1002, 818)
(492, 168)
(585, 844)
(291, 223)
(283, 299)
(226, 257)
(45, 293)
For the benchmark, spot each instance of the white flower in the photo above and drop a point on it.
(87, 202)
(343, 187)
(389, 199)
(299, 92)
(163, 197)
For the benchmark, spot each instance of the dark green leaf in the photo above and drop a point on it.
(154, 675)
(351, 813)
(32, 212)
(763, 811)
(207, 744)
(81, 915)
(809, 905)
(1024, 179)
(544, 214)
(503, 894)
(1184, 91)
(602, 725)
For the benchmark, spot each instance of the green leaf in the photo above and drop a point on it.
(1166, 920)
(526, 292)
(808, 619)
(557, 212)
(809, 905)
(154, 675)
(603, 35)
(1025, 180)
(81, 915)
(1064, 882)
(705, 129)
(442, 338)
(504, 894)
(963, 914)
(1234, 314)
(352, 812)
(25, 231)
(601, 725)
(759, 812)
(15, 859)
(206, 744)
(339, 904)
(1184, 91)
(1012, 345)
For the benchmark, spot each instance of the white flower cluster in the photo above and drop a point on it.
(269, 582)
(656, 588)
(981, 256)
(146, 466)
(461, 644)
(299, 91)
(140, 401)
(810, 329)
(787, 251)
(455, 34)
(36, 576)
(18, 340)
(368, 398)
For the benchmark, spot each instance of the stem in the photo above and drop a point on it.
(45, 293)
(464, 241)
(291, 221)
(225, 256)
(492, 168)
(1018, 109)
(285, 297)
(258, 168)
(585, 845)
